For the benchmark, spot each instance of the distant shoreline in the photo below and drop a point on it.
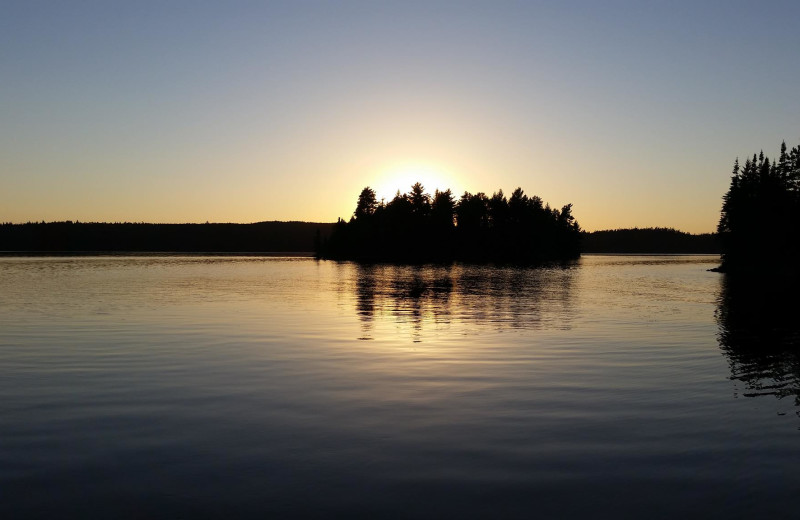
(657, 241)
(126, 238)
(277, 239)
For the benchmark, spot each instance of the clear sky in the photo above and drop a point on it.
(248, 111)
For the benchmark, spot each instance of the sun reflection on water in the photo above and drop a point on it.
(427, 298)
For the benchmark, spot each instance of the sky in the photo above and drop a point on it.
(250, 111)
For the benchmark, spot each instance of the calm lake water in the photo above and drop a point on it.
(166, 387)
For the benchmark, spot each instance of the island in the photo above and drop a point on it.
(417, 227)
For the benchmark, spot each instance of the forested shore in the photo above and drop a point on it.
(759, 225)
(649, 241)
(301, 237)
(75, 237)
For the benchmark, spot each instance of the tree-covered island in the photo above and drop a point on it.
(418, 227)
(759, 227)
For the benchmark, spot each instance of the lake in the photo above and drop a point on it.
(166, 387)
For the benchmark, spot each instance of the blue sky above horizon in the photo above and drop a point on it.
(252, 111)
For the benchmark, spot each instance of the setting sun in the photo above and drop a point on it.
(402, 177)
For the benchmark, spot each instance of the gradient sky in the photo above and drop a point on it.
(249, 111)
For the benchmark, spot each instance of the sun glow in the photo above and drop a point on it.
(402, 177)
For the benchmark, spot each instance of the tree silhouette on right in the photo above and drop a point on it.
(759, 226)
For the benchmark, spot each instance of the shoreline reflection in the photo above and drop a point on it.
(759, 334)
(438, 295)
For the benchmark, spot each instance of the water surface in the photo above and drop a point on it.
(221, 386)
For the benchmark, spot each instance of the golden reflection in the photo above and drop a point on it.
(436, 296)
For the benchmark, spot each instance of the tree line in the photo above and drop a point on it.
(73, 237)
(418, 227)
(759, 226)
(655, 240)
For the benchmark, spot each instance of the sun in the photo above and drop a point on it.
(402, 177)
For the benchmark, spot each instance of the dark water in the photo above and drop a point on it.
(276, 387)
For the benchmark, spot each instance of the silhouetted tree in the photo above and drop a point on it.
(420, 201)
(759, 224)
(443, 209)
(518, 209)
(472, 212)
(367, 203)
(498, 210)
